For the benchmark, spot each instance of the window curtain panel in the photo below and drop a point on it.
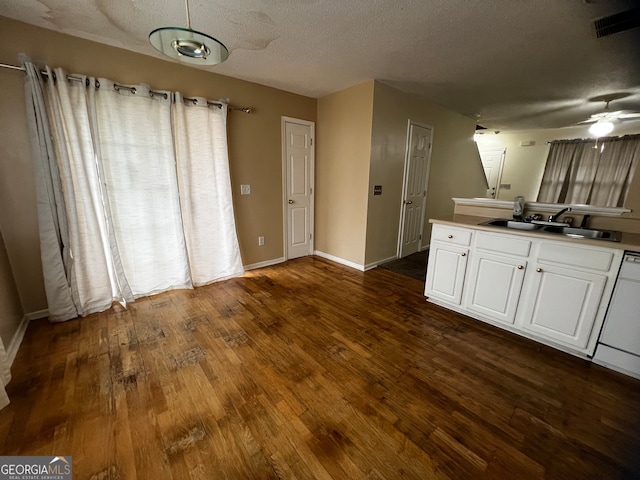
(586, 160)
(110, 192)
(618, 162)
(200, 136)
(134, 131)
(54, 244)
(590, 172)
(559, 161)
(79, 277)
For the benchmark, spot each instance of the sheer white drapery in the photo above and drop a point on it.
(79, 269)
(134, 131)
(559, 161)
(109, 200)
(200, 135)
(619, 161)
(583, 172)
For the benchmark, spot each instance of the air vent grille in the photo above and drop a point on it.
(620, 22)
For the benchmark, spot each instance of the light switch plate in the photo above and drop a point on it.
(245, 189)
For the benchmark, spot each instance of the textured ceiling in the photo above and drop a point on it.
(512, 64)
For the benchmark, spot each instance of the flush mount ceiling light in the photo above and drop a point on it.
(187, 45)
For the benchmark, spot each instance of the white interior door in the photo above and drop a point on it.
(298, 191)
(416, 171)
(492, 163)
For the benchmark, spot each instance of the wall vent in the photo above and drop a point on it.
(620, 22)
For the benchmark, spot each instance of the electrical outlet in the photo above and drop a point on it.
(245, 189)
(260, 241)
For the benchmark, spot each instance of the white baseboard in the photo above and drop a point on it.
(16, 341)
(371, 265)
(36, 315)
(266, 263)
(342, 261)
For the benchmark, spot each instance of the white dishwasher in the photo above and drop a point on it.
(619, 344)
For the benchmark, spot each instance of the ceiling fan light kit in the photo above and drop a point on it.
(601, 128)
(187, 45)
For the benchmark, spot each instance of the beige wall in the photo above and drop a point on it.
(343, 150)
(11, 312)
(524, 165)
(254, 141)
(455, 169)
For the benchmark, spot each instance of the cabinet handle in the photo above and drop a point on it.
(538, 270)
(463, 254)
(520, 267)
(449, 236)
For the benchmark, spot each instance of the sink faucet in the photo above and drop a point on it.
(554, 218)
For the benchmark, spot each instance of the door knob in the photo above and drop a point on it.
(463, 254)
(538, 270)
(520, 267)
(449, 236)
(408, 203)
(290, 202)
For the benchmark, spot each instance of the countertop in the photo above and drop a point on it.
(629, 241)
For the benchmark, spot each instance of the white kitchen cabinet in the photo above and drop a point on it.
(555, 292)
(494, 286)
(562, 304)
(496, 273)
(565, 292)
(448, 255)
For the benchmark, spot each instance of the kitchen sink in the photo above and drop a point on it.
(574, 232)
(504, 222)
(567, 231)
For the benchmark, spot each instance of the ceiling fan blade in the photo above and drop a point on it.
(629, 116)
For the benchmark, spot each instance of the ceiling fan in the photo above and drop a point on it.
(604, 122)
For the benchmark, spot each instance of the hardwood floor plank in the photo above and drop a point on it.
(311, 370)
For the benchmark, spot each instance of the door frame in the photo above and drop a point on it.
(405, 176)
(285, 220)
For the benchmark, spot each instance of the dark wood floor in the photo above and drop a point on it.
(312, 370)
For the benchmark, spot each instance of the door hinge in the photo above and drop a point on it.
(310, 236)
(311, 141)
(420, 237)
(311, 191)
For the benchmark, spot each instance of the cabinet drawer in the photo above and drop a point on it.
(572, 255)
(453, 235)
(503, 244)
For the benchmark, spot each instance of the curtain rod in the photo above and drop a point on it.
(133, 89)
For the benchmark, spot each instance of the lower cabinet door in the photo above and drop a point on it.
(562, 304)
(446, 267)
(493, 286)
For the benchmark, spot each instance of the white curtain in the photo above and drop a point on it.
(618, 163)
(110, 195)
(559, 161)
(583, 173)
(93, 269)
(589, 172)
(200, 134)
(139, 169)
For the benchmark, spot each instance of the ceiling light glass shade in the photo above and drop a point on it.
(601, 128)
(188, 46)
